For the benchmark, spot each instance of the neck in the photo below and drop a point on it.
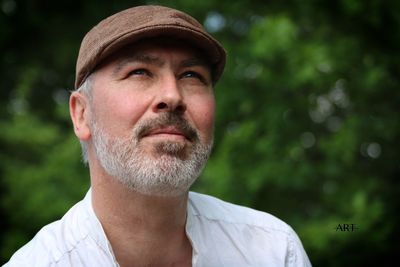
(143, 230)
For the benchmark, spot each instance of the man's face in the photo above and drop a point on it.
(152, 117)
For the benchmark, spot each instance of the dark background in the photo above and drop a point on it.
(307, 118)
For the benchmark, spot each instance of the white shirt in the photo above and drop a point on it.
(221, 234)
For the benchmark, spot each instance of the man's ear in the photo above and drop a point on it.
(79, 111)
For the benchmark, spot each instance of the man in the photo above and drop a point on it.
(144, 114)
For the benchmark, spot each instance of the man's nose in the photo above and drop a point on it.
(169, 97)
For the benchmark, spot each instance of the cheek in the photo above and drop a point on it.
(119, 111)
(202, 112)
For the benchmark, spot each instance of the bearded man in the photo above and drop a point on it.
(143, 110)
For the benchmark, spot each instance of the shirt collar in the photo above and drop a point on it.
(190, 232)
(95, 228)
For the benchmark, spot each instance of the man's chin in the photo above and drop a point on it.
(174, 149)
(164, 191)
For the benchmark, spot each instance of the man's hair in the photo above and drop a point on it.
(86, 89)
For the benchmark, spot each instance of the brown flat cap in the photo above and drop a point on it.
(141, 22)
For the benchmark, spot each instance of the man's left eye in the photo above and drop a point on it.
(192, 74)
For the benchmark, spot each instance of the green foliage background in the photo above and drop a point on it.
(307, 120)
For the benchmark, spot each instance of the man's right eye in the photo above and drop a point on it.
(139, 72)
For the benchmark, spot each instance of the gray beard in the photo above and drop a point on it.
(169, 171)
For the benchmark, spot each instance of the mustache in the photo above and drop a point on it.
(167, 120)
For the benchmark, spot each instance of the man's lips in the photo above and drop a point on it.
(166, 131)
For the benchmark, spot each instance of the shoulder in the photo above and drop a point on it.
(242, 234)
(212, 208)
(52, 243)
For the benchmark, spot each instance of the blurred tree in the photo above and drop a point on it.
(306, 129)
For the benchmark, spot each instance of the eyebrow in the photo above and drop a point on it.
(192, 62)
